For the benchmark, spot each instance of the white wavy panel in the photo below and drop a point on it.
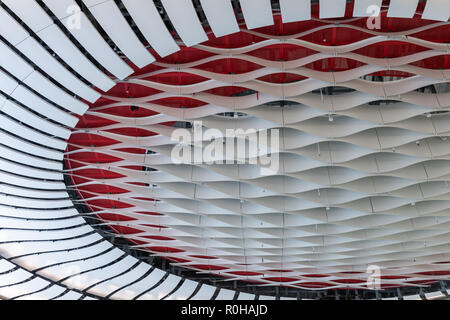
(220, 15)
(112, 21)
(184, 18)
(365, 8)
(332, 8)
(257, 13)
(36, 18)
(149, 22)
(295, 10)
(402, 8)
(68, 12)
(437, 10)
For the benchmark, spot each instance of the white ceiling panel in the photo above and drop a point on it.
(402, 8)
(41, 84)
(46, 294)
(24, 146)
(257, 13)
(10, 29)
(295, 10)
(30, 134)
(68, 12)
(184, 18)
(149, 22)
(13, 63)
(7, 84)
(71, 55)
(32, 101)
(112, 21)
(205, 293)
(437, 10)
(34, 51)
(32, 120)
(38, 20)
(332, 8)
(220, 15)
(184, 292)
(30, 13)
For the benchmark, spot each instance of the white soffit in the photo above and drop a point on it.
(68, 12)
(437, 10)
(402, 8)
(257, 13)
(36, 18)
(117, 28)
(220, 15)
(332, 8)
(184, 18)
(295, 10)
(42, 58)
(149, 22)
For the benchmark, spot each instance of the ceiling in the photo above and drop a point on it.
(92, 204)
